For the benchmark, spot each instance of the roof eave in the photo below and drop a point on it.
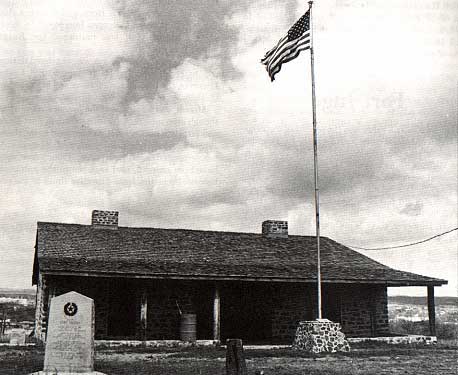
(218, 277)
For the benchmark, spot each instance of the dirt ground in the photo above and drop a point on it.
(441, 359)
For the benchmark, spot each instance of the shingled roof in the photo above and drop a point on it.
(73, 249)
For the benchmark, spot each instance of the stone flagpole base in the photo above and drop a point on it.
(321, 335)
(66, 373)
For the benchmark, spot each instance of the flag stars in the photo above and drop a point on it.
(301, 26)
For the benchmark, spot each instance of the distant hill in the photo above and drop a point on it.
(409, 300)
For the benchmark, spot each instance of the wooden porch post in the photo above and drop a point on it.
(431, 311)
(144, 313)
(216, 315)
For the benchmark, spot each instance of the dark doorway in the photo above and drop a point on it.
(246, 314)
(122, 310)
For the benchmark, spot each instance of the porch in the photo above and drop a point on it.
(132, 309)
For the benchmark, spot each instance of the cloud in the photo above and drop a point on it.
(412, 209)
(163, 112)
(163, 37)
(50, 36)
(59, 78)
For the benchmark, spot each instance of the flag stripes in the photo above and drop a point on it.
(288, 47)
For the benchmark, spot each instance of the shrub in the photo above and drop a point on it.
(444, 331)
(447, 331)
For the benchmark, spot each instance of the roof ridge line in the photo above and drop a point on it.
(189, 230)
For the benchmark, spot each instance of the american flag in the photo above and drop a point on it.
(289, 47)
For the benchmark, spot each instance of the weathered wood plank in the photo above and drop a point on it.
(235, 358)
(217, 315)
(144, 313)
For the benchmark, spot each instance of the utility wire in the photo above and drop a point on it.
(406, 245)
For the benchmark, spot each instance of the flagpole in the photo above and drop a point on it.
(315, 169)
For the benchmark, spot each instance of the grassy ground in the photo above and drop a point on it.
(363, 359)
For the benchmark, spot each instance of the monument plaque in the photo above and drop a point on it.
(70, 340)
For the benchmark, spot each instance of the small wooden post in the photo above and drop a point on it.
(216, 315)
(431, 311)
(3, 323)
(235, 359)
(144, 313)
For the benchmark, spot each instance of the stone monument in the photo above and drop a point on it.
(17, 337)
(70, 338)
(321, 335)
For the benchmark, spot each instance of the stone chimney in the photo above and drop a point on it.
(275, 229)
(105, 219)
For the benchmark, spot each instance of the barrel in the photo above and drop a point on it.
(188, 327)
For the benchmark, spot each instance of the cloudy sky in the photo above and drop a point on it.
(162, 111)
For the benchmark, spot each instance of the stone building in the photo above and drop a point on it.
(251, 286)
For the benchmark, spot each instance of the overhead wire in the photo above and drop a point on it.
(405, 245)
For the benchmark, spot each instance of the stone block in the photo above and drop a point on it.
(17, 337)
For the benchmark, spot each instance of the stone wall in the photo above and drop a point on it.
(361, 309)
(380, 301)
(101, 307)
(291, 303)
(364, 310)
(41, 309)
(246, 311)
